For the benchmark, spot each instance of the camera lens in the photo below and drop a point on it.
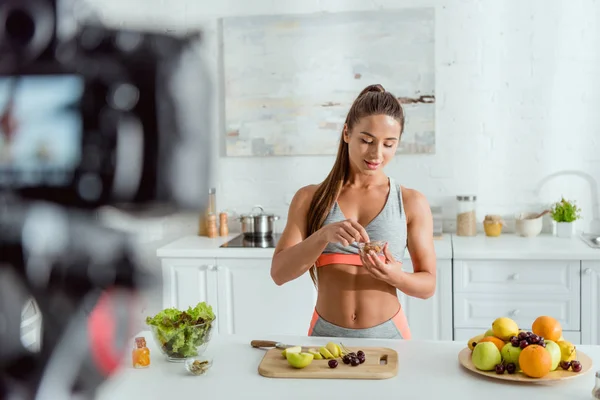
(19, 27)
(27, 28)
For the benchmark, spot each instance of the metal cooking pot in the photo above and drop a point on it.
(257, 224)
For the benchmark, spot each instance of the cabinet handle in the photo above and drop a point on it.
(587, 271)
(514, 313)
(514, 277)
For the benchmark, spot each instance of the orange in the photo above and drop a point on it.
(535, 361)
(547, 327)
(498, 342)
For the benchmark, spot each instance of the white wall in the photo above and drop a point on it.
(517, 100)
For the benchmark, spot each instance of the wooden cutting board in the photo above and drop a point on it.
(380, 363)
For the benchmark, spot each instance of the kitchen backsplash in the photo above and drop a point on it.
(504, 71)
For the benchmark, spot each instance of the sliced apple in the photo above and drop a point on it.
(326, 353)
(316, 354)
(299, 360)
(334, 349)
(294, 349)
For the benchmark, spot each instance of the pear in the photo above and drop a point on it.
(485, 356)
(316, 354)
(294, 349)
(334, 349)
(299, 360)
(326, 353)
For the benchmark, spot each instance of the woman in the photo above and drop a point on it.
(357, 202)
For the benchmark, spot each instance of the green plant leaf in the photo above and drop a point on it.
(565, 211)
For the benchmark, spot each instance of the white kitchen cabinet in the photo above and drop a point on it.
(590, 302)
(250, 303)
(519, 289)
(188, 281)
(431, 319)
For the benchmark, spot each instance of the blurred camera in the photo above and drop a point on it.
(100, 116)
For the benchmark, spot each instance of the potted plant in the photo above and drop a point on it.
(565, 212)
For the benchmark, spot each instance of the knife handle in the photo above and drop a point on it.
(263, 343)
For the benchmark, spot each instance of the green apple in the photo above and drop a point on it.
(489, 332)
(554, 349)
(299, 360)
(325, 353)
(510, 354)
(486, 356)
(294, 349)
(315, 353)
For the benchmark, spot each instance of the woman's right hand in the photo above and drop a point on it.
(344, 232)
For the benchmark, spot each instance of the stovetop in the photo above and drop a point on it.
(259, 242)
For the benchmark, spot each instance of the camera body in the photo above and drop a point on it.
(101, 116)
(95, 117)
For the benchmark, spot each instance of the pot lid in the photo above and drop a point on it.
(257, 214)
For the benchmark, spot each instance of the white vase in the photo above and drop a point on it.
(564, 229)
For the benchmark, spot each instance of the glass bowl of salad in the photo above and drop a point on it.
(183, 334)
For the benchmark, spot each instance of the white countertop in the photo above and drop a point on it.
(427, 370)
(514, 247)
(200, 246)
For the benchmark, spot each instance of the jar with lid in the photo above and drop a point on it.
(596, 390)
(466, 217)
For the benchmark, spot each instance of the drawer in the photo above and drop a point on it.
(464, 334)
(515, 277)
(480, 310)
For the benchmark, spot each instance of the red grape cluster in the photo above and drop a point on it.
(575, 365)
(511, 368)
(352, 358)
(524, 339)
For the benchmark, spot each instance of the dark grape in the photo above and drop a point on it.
(361, 359)
(576, 366)
(523, 344)
(354, 362)
(535, 339)
(542, 343)
(522, 336)
(360, 353)
(346, 359)
(565, 364)
(511, 368)
(332, 363)
(510, 339)
(499, 369)
(515, 342)
(352, 354)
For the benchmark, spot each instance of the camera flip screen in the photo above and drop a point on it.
(40, 129)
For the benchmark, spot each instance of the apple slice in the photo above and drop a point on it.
(294, 349)
(326, 353)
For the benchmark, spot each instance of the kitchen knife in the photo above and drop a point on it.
(277, 345)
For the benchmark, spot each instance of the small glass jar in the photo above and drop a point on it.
(466, 217)
(596, 390)
(140, 355)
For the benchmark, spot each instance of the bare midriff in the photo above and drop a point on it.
(348, 296)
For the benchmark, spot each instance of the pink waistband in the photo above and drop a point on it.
(337, 258)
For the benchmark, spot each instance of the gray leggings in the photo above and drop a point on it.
(386, 330)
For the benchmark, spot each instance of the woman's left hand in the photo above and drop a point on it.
(388, 271)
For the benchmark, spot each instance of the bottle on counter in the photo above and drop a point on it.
(596, 390)
(223, 227)
(211, 208)
(211, 227)
(466, 218)
(140, 354)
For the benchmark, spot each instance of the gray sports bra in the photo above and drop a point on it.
(389, 225)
